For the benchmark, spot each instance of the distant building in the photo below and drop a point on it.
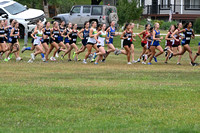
(180, 10)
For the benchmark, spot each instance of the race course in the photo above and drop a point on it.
(67, 96)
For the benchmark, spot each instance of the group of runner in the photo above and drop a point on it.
(63, 39)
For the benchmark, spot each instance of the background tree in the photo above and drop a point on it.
(95, 2)
(128, 10)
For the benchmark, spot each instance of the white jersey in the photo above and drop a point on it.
(102, 38)
(92, 39)
(39, 37)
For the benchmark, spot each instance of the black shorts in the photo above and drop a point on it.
(1, 40)
(56, 40)
(143, 44)
(84, 42)
(175, 45)
(45, 41)
(98, 46)
(35, 45)
(71, 42)
(32, 40)
(89, 43)
(14, 40)
(127, 43)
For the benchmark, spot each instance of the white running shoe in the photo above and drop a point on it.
(33, 56)
(43, 59)
(144, 63)
(129, 63)
(8, 58)
(57, 55)
(134, 61)
(18, 59)
(138, 60)
(53, 59)
(84, 61)
(30, 61)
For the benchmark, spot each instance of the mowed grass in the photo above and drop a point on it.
(66, 96)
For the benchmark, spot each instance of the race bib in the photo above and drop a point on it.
(187, 38)
(74, 39)
(129, 39)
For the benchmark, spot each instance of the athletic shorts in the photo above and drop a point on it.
(185, 42)
(84, 42)
(143, 44)
(14, 40)
(1, 40)
(66, 40)
(169, 45)
(32, 40)
(127, 43)
(89, 43)
(98, 46)
(110, 41)
(175, 45)
(45, 41)
(60, 38)
(36, 44)
(56, 40)
(155, 43)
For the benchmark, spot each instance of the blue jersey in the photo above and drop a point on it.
(156, 42)
(111, 34)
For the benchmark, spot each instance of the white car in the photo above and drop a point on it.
(26, 17)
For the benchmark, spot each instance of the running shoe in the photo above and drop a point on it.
(166, 53)
(149, 63)
(193, 64)
(74, 55)
(43, 59)
(33, 56)
(18, 59)
(10, 56)
(62, 57)
(95, 55)
(134, 61)
(84, 61)
(171, 55)
(115, 52)
(23, 49)
(57, 55)
(92, 60)
(178, 63)
(103, 60)
(30, 61)
(96, 63)
(165, 62)
(6, 60)
(144, 63)
(139, 59)
(129, 63)
(69, 60)
(155, 59)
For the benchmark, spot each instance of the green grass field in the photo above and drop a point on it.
(114, 97)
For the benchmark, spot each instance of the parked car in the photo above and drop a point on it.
(26, 17)
(81, 13)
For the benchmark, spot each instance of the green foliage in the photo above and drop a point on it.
(32, 3)
(196, 25)
(128, 11)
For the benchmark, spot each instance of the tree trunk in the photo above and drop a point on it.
(46, 8)
(96, 2)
